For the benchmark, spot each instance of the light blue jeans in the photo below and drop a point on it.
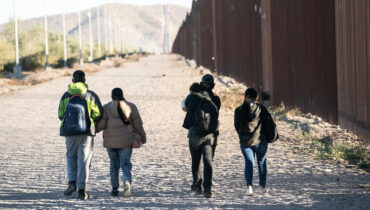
(79, 154)
(120, 158)
(249, 153)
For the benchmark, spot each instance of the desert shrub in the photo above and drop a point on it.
(9, 66)
(60, 63)
(325, 148)
(32, 62)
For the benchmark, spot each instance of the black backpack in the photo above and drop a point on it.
(269, 129)
(205, 117)
(76, 117)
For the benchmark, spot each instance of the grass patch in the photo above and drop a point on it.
(231, 98)
(16, 82)
(36, 81)
(281, 112)
(325, 149)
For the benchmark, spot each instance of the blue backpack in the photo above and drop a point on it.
(76, 117)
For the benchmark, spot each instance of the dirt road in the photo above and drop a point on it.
(33, 165)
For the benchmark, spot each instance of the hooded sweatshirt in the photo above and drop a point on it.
(94, 106)
(247, 122)
(116, 134)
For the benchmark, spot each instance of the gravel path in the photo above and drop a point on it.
(33, 165)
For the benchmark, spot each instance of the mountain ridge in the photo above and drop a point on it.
(141, 26)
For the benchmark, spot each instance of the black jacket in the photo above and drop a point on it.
(215, 99)
(247, 122)
(192, 99)
(190, 102)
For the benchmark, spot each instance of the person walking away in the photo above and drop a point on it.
(79, 111)
(122, 124)
(208, 84)
(247, 121)
(202, 121)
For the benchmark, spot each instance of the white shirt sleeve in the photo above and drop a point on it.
(183, 106)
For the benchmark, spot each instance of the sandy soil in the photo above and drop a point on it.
(33, 165)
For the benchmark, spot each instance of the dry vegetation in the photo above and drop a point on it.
(325, 141)
(8, 85)
(231, 98)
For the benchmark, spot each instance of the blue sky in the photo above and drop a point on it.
(34, 8)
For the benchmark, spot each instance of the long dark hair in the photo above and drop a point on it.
(117, 95)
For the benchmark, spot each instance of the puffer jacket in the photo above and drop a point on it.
(116, 134)
(94, 106)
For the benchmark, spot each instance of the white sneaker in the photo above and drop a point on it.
(249, 191)
(127, 190)
(264, 190)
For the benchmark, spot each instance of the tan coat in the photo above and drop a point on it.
(116, 134)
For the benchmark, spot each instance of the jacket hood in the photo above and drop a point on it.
(126, 109)
(77, 88)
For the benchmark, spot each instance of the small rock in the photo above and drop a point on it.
(362, 186)
(316, 121)
(328, 170)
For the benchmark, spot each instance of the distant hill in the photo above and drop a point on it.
(143, 24)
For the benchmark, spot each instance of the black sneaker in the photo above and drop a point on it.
(207, 193)
(82, 195)
(197, 189)
(115, 191)
(71, 188)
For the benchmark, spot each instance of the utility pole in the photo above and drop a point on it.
(46, 66)
(110, 34)
(91, 38)
(122, 40)
(125, 39)
(166, 45)
(81, 60)
(64, 40)
(106, 31)
(115, 34)
(98, 14)
(214, 31)
(17, 70)
(119, 36)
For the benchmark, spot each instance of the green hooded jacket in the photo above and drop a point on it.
(94, 106)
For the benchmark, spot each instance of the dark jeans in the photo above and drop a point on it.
(201, 146)
(249, 153)
(214, 146)
(120, 158)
